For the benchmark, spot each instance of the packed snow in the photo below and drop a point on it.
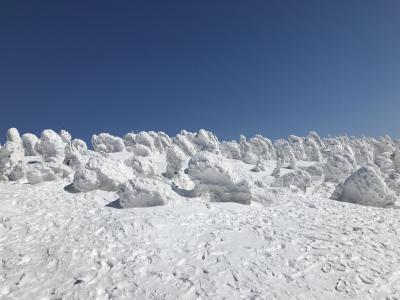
(149, 216)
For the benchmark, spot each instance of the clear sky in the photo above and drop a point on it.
(233, 67)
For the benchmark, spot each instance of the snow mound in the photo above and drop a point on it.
(50, 144)
(145, 139)
(366, 187)
(184, 141)
(74, 156)
(13, 135)
(385, 162)
(65, 136)
(312, 150)
(105, 142)
(176, 160)
(214, 175)
(29, 141)
(145, 192)
(140, 150)
(18, 172)
(40, 173)
(102, 173)
(79, 145)
(206, 141)
(298, 178)
(11, 154)
(142, 165)
(337, 168)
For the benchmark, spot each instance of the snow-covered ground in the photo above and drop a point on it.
(148, 216)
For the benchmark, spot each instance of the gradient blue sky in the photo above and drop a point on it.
(270, 67)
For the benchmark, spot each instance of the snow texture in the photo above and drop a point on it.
(149, 216)
(102, 173)
(29, 142)
(105, 142)
(215, 175)
(366, 187)
(50, 144)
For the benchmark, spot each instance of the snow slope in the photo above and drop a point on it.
(224, 227)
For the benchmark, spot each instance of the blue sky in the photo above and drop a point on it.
(233, 67)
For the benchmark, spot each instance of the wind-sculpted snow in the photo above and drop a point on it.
(147, 216)
(337, 168)
(50, 144)
(105, 142)
(29, 142)
(65, 136)
(298, 178)
(366, 187)
(194, 164)
(11, 154)
(215, 175)
(145, 192)
(176, 160)
(13, 136)
(102, 173)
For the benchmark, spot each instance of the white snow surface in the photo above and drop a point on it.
(150, 216)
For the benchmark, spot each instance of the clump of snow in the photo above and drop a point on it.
(246, 151)
(34, 176)
(298, 178)
(140, 150)
(57, 166)
(385, 162)
(184, 141)
(74, 156)
(312, 150)
(18, 172)
(102, 173)
(262, 147)
(161, 141)
(258, 167)
(363, 151)
(79, 145)
(145, 192)
(65, 136)
(142, 165)
(105, 142)
(13, 135)
(206, 141)
(145, 139)
(41, 171)
(50, 144)
(285, 151)
(396, 160)
(129, 139)
(337, 168)
(393, 182)
(176, 160)
(314, 170)
(366, 187)
(29, 141)
(11, 153)
(315, 136)
(297, 144)
(231, 149)
(215, 175)
(276, 173)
